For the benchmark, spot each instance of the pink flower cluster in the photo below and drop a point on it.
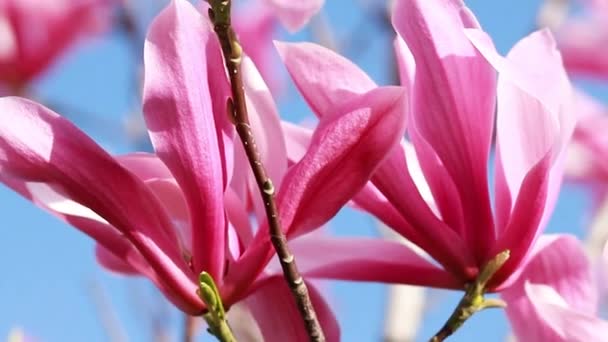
(418, 157)
(34, 33)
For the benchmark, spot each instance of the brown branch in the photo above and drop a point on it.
(237, 110)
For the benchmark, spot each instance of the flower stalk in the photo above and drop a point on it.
(220, 15)
(216, 315)
(473, 300)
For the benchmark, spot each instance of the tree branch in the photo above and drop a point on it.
(237, 110)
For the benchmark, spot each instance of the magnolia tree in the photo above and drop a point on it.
(463, 160)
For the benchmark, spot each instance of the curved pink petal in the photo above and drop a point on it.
(113, 262)
(325, 79)
(38, 146)
(359, 259)
(84, 219)
(297, 140)
(425, 229)
(524, 222)
(343, 153)
(560, 263)
(273, 307)
(442, 187)
(535, 122)
(179, 116)
(558, 321)
(238, 216)
(114, 251)
(371, 200)
(345, 150)
(153, 172)
(295, 14)
(535, 114)
(452, 104)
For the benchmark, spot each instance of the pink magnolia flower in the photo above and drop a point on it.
(589, 142)
(33, 33)
(170, 215)
(556, 297)
(585, 165)
(583, 41)
(450, 67)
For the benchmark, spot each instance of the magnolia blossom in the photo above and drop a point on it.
(184, 209)
(583, 40)
(585, 165)
(433, 190)
(33, 33)
(556, 297)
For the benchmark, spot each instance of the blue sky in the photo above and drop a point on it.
(49, 269)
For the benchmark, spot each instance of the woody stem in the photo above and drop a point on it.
(237, 110)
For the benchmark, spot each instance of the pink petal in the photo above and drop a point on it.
(358, 259)
(153, 172)
(534, 114)
(394, 180)
(273, 307)
(113, 262)
(559, 321)
(371, 200)
(325, 79)
(39, 146)
(118, 255)
(295, 14)
(560, 263)
(535, 122)
(297, 140)
(444, 192)
(179, 116)
(453, 104)
(238, 216)
(343, 153)
(524, 222)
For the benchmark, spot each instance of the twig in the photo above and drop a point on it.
(237, 110)
(473, 300)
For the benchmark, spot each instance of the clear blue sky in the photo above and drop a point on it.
(48, 268)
